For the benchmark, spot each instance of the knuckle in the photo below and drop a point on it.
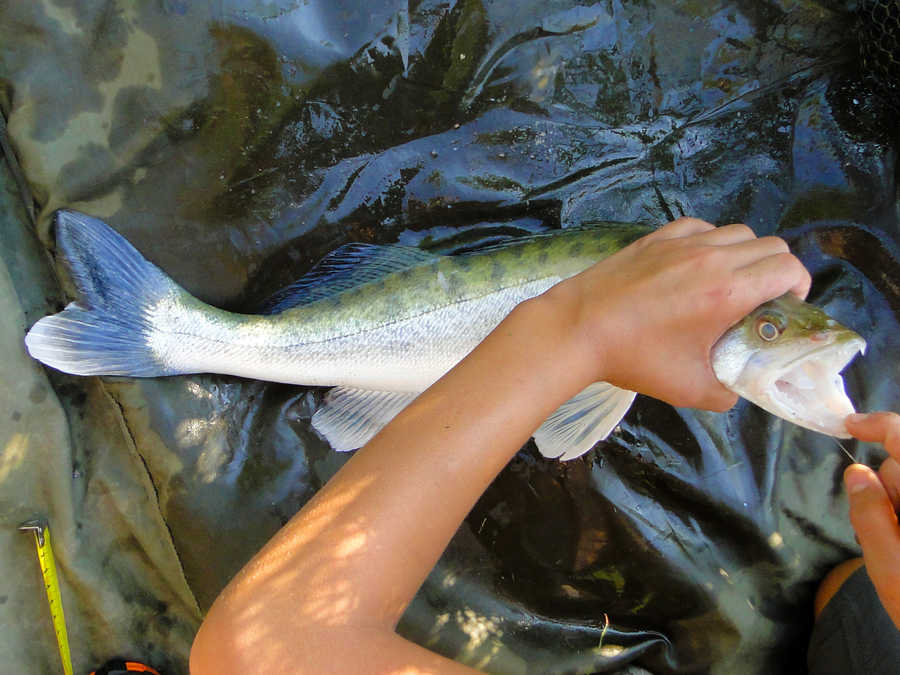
(791, 264)
(777, 243)
(788, 259)
(689, 221)
(743, 229)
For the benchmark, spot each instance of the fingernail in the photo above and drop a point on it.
(856, 418)
(856, 481)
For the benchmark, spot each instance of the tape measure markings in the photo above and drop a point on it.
(41, 532)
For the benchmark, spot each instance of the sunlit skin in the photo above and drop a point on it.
(874, 505)
(325, 594)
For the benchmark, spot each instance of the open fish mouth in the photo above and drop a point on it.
(809, 390)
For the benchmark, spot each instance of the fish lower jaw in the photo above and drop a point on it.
(810, 392)
(812, 408)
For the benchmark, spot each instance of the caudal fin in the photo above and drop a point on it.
(108, 331)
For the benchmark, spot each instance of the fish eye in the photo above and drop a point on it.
(767, 330)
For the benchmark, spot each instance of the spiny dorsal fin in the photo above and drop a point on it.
(582, 421)
(347, 267)
(349, 417)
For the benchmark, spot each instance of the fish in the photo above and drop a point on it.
(379, 324)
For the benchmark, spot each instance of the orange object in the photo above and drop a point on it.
(122, 666)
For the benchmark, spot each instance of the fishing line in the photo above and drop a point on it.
(846, 452)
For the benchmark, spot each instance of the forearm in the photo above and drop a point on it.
(332, 584)
(348, 560)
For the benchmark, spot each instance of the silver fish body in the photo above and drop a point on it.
(380, 324)
(399, 331)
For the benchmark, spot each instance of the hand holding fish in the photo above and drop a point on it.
(651, 313)
(874, 505)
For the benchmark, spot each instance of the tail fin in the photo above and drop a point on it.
(107, 331)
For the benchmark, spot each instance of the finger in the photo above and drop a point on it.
(720, 401)
(772, 276)
(728, 234)
(889, 474)
(683, 227)
(880, 427)
(875, 522)
(748, 251)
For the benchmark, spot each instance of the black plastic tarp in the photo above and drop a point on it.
(236, 143)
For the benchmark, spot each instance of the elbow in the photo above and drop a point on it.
(225, 645)
(201, 660)
(214, 651)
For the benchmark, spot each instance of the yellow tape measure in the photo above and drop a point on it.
(41, 531)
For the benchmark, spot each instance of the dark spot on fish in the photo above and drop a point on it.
(464, 262)
(16, 416)
(454, 284)
(542, 258)
(3, 599)
(516, 251)
(406, 274)
(38, 394)
(576, 249)
(497, 270)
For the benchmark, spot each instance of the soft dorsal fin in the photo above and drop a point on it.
(582, 421)
(350, 417)
(347, 267)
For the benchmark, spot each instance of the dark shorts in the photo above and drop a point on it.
(854, 634)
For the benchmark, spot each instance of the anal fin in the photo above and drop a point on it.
(582, 421)
(349, 418)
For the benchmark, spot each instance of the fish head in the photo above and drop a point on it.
(786, 356)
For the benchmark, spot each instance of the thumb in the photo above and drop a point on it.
(875, 522)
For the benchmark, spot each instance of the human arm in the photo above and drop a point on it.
(874, 504)
(325, 594)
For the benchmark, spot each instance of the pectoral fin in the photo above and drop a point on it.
(582, 421)
(349, 418)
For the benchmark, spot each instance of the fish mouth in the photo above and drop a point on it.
(809, 389)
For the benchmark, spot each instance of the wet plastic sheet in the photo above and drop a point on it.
(235, 143)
